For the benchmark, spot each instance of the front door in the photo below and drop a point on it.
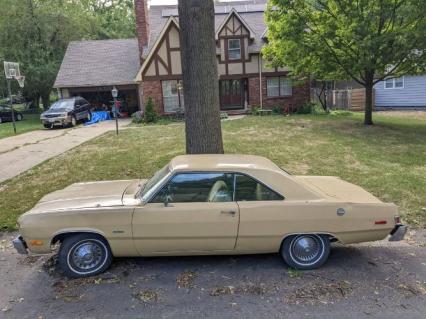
(232, 94)
(194, 212)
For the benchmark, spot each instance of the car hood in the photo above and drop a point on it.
(90, 195)
(56, 111)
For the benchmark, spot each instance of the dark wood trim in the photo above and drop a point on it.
(162, 77)
(174, 49)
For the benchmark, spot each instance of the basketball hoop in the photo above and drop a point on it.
(21, 80)
(11, 70)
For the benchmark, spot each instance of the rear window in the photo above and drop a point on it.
(248, 189)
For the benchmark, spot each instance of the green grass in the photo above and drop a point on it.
(388, 159)
(30, 122)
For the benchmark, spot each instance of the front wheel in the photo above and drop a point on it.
(73, 121)
(84, 255)
(19, 117)
(305, 251)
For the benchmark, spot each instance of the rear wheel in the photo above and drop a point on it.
(1, 120)
(84, 255)
(19, 117)
(305, 251)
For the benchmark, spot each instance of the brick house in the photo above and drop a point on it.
(245, 79)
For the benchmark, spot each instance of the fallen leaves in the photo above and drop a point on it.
(186, 279)
(245, 289)
(320, 292)
(147, 295)
(413, 289)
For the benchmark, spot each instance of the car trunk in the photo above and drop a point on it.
(337, 189)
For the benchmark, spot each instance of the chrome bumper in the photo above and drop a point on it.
(20, 245)
(398, 233)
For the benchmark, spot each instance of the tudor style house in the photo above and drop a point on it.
(245, 78)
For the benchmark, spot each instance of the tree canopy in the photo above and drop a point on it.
(363, 40)
(35, 33)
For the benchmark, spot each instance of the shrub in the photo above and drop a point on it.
(150, 116)
(254, 110)
(278, 110)
(137, 117)
(304, 109)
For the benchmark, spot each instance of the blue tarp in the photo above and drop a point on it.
(98, 116)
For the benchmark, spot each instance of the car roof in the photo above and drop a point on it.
(222, 162)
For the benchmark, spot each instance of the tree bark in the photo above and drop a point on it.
(45, 99)
(368, 116)
(200, 77)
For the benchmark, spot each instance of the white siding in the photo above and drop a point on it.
(413, 94)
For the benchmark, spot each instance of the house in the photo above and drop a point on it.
(245, 78)
(402, 92)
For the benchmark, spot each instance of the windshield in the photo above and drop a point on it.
(63, 104)
(158, 176)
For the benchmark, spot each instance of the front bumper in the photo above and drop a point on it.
(398, 232)
(56, 120)
(20, 245)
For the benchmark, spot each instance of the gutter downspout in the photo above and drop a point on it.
(259, 60)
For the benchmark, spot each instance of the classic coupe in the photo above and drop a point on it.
(204, 205)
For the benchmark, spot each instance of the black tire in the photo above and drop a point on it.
(76, 266)
(305, 251)
(1, 120)
(19, 117)
(48, 126)
(89, 117)
(73, 121)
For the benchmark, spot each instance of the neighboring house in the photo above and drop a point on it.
(245, 79)
(406, 91)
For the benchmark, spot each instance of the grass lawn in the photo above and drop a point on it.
(388, 159)
(30, 122)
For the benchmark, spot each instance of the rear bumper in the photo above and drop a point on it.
(20, 245)
(398, 233)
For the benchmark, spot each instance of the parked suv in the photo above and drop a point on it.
(6, 114)
(66, 112)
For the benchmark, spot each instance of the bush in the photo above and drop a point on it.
(150, 116)
(137, 117)
(278, 110)
(304, 109)
(254, 110)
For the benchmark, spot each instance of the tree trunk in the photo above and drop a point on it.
(200, 77)
(45, 99)
(368, 116)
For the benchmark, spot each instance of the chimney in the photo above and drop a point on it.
(142, 23)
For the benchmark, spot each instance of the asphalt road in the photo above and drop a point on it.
(376, 280)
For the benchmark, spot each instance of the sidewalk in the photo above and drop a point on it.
(22, 152)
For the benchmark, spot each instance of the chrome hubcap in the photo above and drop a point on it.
(87, 255)
(306, 248)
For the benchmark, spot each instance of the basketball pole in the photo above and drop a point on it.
(11, 105)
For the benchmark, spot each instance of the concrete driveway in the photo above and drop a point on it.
(22, 152)
(375, 280)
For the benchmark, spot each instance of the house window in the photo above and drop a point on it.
(394, 83)
(234, 49)
(172, 96)
(279, 86)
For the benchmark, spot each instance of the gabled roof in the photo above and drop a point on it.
(234, 12)
(251, 12)
(99, 63)
(170, 20)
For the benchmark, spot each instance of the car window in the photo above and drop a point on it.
(63, 104)
(197, 187)
(248, 189)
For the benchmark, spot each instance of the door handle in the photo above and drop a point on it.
(228, 212)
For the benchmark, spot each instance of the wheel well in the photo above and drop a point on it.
(331, 237)
(59, 238)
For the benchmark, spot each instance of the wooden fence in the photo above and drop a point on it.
(350, 100)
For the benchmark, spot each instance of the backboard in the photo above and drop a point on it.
(11, 70)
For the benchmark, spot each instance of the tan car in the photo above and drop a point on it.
(204, 205)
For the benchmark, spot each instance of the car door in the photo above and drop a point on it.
(78, 109)
(193, 212)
